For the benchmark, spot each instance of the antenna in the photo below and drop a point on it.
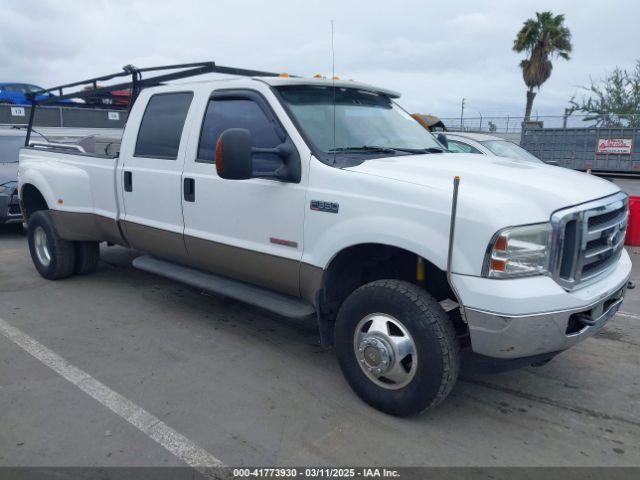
(333, 82)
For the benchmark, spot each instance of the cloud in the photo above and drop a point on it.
(435, 53)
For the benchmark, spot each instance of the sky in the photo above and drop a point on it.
(434, 53)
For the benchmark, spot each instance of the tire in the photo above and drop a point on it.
(422, 379)
(87, 257)
(53, 257)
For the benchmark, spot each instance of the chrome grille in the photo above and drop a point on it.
(588, 239)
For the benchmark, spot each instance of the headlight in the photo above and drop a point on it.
(3, 188)
(519, 252)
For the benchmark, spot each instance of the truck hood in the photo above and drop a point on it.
(500, 179)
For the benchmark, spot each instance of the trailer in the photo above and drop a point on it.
(599, 149)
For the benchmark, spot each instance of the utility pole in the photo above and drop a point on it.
(462, 113)
(565, 117)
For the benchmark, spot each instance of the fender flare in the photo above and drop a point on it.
(55, 186)
(38, 181)
(365, 230)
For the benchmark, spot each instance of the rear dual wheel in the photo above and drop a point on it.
(54, 257)
(87, 257)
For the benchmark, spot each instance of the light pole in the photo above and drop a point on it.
(462, 113)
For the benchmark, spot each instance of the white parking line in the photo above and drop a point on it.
(151, 426)
(628, 315)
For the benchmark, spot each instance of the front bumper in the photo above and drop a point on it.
(10, 209)
(499, 327)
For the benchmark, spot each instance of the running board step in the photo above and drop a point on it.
(284, 305)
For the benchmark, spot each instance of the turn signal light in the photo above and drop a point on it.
(501, 244)
(498, 265)
(284, 75)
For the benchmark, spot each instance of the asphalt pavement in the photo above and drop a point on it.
(250, 388)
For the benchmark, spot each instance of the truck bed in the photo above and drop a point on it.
(76, 181)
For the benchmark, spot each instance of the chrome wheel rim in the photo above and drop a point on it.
(385, 351)
(41, 246)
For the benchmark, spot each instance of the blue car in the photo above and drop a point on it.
(16, 93)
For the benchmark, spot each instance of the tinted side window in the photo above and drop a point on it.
(162, 124)
(237, 113)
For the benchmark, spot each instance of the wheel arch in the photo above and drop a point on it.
(362, 263)
(32, 200)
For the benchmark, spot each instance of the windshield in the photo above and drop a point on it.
(32, 88)
(367, 124)
(502, 148)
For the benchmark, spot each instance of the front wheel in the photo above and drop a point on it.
(397, 348)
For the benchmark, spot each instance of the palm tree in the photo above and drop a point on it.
(542, 39)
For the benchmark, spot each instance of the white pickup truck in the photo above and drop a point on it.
(325, 200)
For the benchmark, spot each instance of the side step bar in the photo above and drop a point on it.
(278, 303)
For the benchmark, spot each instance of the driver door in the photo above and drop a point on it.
(250, 230)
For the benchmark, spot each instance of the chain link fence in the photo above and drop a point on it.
(63, 116)
(509, 124)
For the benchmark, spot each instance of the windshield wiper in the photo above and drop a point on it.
(423, 150)
(364, 149)
(435, 150)
(379, 148)
(419, 150)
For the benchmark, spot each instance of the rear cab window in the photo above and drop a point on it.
(162, 124)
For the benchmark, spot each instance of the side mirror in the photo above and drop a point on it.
(233, 154)
(442, 138)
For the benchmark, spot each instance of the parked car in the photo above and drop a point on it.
(16, 93)
(9, 204)
(467, 142)
(116, 98)
(324, 200)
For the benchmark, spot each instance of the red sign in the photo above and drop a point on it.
(615, 145)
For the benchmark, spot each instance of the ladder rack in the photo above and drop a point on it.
(138, 82)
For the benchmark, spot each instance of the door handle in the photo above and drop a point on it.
(128, 182)
(189, 189)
